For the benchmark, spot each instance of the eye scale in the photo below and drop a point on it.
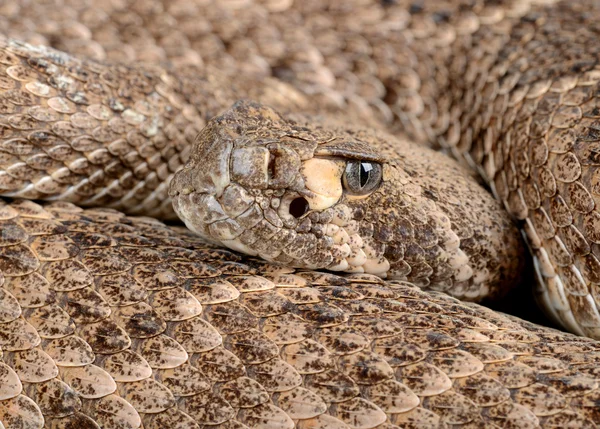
(361, 177)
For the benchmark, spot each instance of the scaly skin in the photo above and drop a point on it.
(108, 321)
(113, 322)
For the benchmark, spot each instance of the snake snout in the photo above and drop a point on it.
(208, 170)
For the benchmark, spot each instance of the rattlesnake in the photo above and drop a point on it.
(117, 320)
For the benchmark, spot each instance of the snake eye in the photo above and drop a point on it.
(361, 177)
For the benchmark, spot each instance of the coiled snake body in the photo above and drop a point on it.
(112, 320)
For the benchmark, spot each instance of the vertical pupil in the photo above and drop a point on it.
(363, 174)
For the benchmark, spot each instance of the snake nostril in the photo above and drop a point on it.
(298, 207)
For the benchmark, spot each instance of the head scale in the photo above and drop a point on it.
(326, 198)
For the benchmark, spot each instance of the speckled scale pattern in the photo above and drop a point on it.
(87, 338)
(535, 142)
(68, 135)
(237, 342)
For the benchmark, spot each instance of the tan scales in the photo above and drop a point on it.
(109, 321)
(229, 357)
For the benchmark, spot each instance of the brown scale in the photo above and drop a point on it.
(110, 321)
(264, 354)
(535, 146)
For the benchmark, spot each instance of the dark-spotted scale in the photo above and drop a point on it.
(110, 321)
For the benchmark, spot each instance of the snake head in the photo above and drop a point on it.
(275, 188)
(342, 199)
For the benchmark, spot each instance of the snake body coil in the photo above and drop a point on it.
(113, 320)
